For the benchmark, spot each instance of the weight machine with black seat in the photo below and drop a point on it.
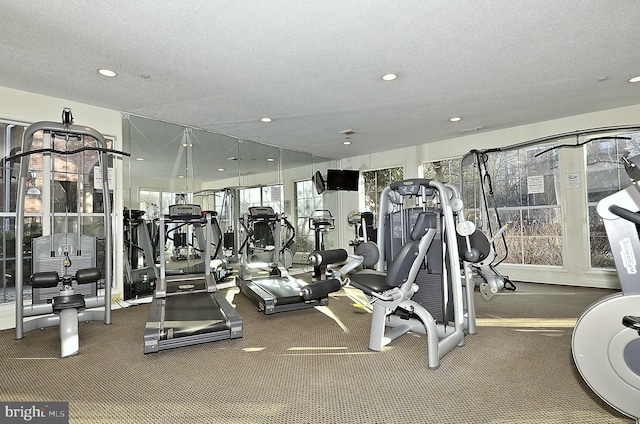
(64, 300)
(606, 338)
(275, 290)
(426, 263)
(189, 309)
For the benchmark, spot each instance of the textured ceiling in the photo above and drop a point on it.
(314, 67)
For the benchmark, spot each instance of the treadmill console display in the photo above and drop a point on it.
(262, 213)
(185, 212)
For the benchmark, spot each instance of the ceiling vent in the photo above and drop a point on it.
(470, 130)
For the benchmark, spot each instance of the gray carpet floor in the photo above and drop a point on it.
(313, 366)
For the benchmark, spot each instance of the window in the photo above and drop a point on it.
(374, 183)
(524, 185)
(68, 171)
(10, 144)
(520, 190)
(156, 203)
(261, 196)
(446, 171)
(605, 175)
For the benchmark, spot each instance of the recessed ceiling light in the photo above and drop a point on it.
(455, 119)
(346, 142)
(635, 79)
(180, 176)
(145, 76)
(107, 73)
(266, 119)
(140, 159)
(389, 77)
(220, 169)
(270, 159)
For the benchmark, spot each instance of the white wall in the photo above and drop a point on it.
(576, 250)
(27, 108)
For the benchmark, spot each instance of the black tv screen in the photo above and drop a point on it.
(346, 180)
(318, 181)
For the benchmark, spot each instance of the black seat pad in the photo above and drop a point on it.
(370, 281)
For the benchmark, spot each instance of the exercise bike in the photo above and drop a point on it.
(606, 338)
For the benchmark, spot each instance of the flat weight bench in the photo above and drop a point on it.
(67, 304)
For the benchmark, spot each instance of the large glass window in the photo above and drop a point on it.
(10, 143)
(261, 196)
(374, 182)
(445, 171)
(520, 191)
(75, 199)
(605, 175)
(524, 186)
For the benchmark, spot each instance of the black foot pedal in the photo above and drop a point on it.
(632, 322)
(508, 285)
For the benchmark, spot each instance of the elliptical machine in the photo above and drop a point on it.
(606, 338)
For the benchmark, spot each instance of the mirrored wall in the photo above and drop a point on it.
(172, 164)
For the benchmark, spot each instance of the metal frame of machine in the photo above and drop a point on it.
(278, 291)
(188, 310)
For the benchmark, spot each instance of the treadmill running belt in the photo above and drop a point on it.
(285, 291)
(182, 286)
(192, 314)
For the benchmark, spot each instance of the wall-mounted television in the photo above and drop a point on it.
(346, 180)
(318, 181)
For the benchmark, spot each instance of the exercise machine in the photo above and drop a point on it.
(226, 203)
(478, 237)
(268, 284)
(606, 338)
(364, 242)
(64, 300)
(321, 222)
(189, 309)
(439, 311)
(363, 226)
(190, 246)
(140, 270)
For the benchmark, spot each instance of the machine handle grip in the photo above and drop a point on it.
(45, 279)
(625, 214)
(324, 257)
(88, 275)
(320, 289)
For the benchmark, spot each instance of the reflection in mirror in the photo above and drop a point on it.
(327, 201)
(260, 181)
(171, 164)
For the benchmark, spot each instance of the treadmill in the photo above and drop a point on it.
(277, 291)
(188, 309)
